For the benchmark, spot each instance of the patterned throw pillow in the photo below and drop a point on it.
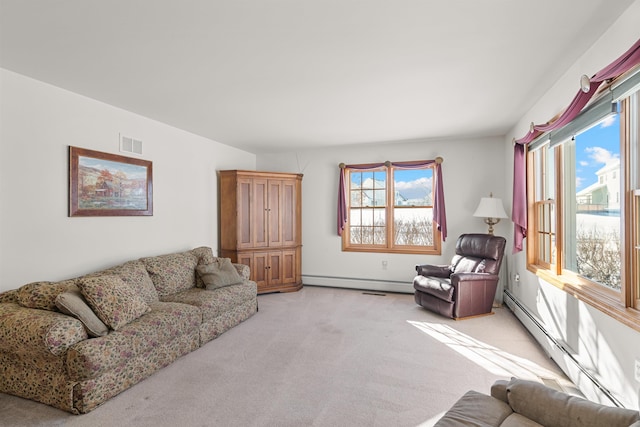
(73, 304)
(218, 275)
(172, 273)
(134, 274)
(115, 303)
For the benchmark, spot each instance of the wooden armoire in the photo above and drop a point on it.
(260, 226)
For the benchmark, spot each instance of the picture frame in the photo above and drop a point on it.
(104, 184)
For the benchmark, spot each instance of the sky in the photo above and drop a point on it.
(412, 184)
(595, 148)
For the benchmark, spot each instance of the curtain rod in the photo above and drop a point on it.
(438, 160)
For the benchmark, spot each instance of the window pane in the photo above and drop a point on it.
(592, 206)
(413, 187)
(413, 226)
(367, 235)
(354, 217)
(355, 234)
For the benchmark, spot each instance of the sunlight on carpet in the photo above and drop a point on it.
(494, 360)
(431, 421)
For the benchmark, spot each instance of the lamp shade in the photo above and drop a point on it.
(490, 207)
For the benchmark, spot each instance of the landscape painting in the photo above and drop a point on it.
(103, 184)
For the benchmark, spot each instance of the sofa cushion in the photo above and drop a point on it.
(164, 323)
(214, 303)
(553, 408)
(517, 420)
(134, 274)
(72, 303)
(218, 275)
(9, 296)
(172, 273)
(42, 295)
(475, 409)
(113, 301)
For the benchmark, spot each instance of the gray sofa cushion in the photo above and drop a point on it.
(73, 304)
(218, 275)
(552, 408)
(475, 409)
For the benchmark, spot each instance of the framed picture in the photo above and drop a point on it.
(103, 184)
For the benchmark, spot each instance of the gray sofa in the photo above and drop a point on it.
(522, 403)
(75, 344)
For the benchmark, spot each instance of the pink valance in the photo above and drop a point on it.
(624, 63)
(439, 212)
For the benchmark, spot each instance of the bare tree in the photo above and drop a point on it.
(599, 257)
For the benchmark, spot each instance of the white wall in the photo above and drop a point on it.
(469, 172)
(38, 241)
(604, 346)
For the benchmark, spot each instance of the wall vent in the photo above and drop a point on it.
(130, 145)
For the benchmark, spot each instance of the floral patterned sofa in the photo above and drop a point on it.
(121, 325)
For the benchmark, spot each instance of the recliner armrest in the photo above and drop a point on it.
(472, 277)
(433, 270)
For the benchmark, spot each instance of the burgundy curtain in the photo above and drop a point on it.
(624, 63)
(439, 211)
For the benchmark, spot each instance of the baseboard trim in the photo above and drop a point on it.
(555, 348)
(354, 283)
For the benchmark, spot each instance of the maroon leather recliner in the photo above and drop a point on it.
(467, 287)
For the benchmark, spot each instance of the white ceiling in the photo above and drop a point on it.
(273, 75)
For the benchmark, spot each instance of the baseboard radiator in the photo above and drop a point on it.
(538, 330)
(354, 283)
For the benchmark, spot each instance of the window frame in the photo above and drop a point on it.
(623, 306)
(390, 246)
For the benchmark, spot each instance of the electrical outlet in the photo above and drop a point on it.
(636, 370)
(516, 277)
(384, 265)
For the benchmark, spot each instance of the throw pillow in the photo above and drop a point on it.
(219, 275)
(115, 303)
(172, 273)
(73, 304)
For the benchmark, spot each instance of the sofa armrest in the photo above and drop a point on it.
(499, 390)
(30, 331)
(433, 270)
(243, 270)
(548, 407)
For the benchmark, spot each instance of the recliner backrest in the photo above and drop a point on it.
(478, 253)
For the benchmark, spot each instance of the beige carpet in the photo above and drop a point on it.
(320, 357)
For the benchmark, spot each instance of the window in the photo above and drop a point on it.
(390, 209)
(584, 210)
